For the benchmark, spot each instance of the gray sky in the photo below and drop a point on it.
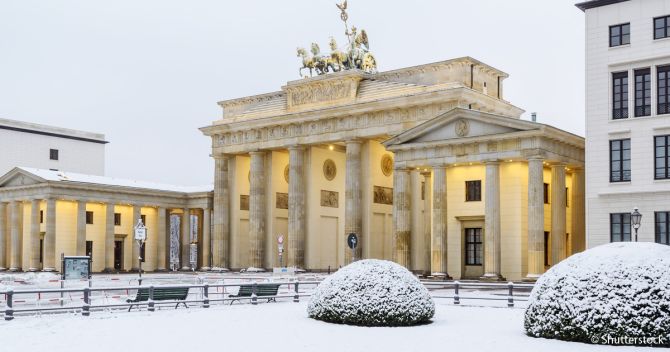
(149, 73)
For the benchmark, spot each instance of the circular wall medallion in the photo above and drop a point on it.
(286, 173)
(329, 169)
(462, 128)
(387, 165)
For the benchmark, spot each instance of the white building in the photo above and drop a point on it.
(627, 119)
(47, 147)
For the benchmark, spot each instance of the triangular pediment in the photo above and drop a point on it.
(19, 177)
(461, 123)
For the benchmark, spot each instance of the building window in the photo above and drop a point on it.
(144, 219)
(662, 227)
(117, 219)
(546, 193)
(620, 34)
(473, 191)
(620, 227)
(89, 249)
(620, 160)
(143, 251)
(89, 218)
(473, 246)
(567, 197)
(41, 250)
(546, 248)
(663, 80)
(53, 154)
(661, 27)
(642, 92)
(41, 216)
(620, 95)
(661, 158)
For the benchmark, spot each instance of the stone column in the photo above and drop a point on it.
(34, 235)
(402, 217)
(296, 207)
(15, 210)
(50, 256)
(206, 239)
(109, 238)
(3, 236)
(492, 222)
(221, 217)
(558, 229)
(535, 218)
(353, 216)
(577, 207)
(427, 193)
(161, 233)
(81, 228)
(257, 206)
(186, 239)
(438, 265)
(137, 213)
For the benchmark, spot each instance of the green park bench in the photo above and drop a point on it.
(160, 294)
(262, 290)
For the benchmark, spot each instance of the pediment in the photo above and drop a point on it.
(461, 124)
(18, 177)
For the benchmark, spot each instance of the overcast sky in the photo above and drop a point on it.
(147, 73)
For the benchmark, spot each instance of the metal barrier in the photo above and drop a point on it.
(509, 287)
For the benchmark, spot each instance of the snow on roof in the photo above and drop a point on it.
(62, 176)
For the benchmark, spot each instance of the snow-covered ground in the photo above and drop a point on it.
(282, 326)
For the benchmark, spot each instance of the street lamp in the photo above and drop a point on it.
(635, 218)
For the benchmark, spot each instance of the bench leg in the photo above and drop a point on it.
(131, 307)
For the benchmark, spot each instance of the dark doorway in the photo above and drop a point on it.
(118, 255)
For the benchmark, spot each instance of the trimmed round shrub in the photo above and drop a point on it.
(372, 293)
(618, 293)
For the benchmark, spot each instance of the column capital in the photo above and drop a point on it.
(221, 156)
(353, 141)
(536, 157)
(491, 162)
(439, 166)
(426, 174)
(257, 152)
(299, 147)
(558, 165)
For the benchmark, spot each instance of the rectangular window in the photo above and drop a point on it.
(41, 216)
(620, 34)
(41, 250)
(661, 27)
(474, 247)
(473, 191)
(662, 219)
(620, 227)
(144, 219)
(546, 248)
(143, 252)
(620, 160)
(89, 218)
(567, 197)
(89, 248)
(53, 154)
(620, 95)
(663, 89)
(661, 158)
(642, 92)
(546, 193)
(117, 219)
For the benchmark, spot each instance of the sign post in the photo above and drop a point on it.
(280, 248)
(352, 242)
(140, 237)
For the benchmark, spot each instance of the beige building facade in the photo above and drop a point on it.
(429, 166)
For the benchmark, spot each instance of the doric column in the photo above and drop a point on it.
(109, 237)
(50, 257)
(577, 206)
(34, 235)
(558, 229)
(535, 218)
(161, 248)
(492, 222)
(3, 236)
(257, 206)
(16, 210)
(296, 207)
(427, 227)
(221, 216)
(206, 239)
(81, 228)
(353, 215)
(402, 217)
(186, 239)
(137, 213)
(438, 265)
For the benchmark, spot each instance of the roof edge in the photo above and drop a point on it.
(596, 3)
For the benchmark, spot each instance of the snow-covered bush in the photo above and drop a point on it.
(618, 290)
(372, 293)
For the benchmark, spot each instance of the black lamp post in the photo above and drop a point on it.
(635, 218)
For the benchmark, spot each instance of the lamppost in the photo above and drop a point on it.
(140, 237)
(635, 218)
